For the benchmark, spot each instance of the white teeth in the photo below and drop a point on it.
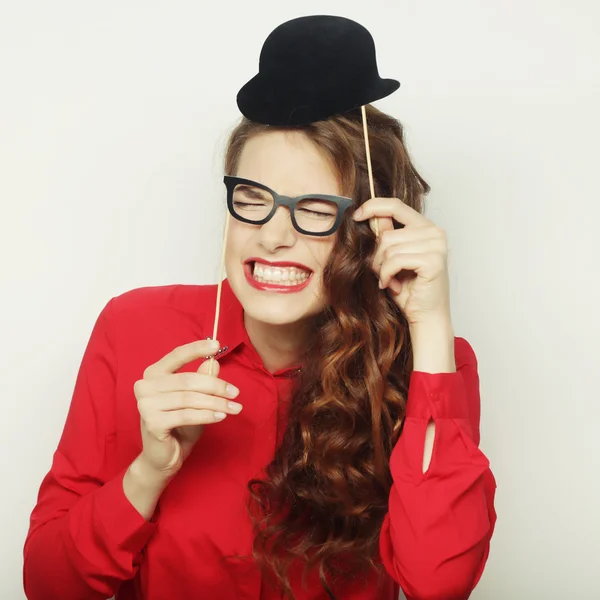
(285, 276)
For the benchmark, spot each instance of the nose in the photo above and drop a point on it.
(278, 231)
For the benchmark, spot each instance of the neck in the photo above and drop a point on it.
(279, 346)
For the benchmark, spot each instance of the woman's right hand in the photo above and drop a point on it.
(175, 407)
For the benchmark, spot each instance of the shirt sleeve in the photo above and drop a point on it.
(435, 538)
(85, 537)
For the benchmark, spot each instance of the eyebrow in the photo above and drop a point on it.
(255, 187)
(252, 190)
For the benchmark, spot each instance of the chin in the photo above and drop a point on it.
(274, 308)
(284, 316)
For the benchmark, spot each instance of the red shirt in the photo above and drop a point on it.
(86, 540)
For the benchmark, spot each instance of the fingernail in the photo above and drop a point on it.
(231, 391)
(220, 416)
(358, 213)
(380, 284)
(234, 406)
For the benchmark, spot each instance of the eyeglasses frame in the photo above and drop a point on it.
(342, 203)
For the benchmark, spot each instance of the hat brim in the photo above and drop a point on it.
(259, 101)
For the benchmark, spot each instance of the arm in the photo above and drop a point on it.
(435, 539)
(85, 536)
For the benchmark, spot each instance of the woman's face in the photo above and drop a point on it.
(291, 165)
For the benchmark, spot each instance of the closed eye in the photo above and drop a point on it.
(239, 204)
(315, 213)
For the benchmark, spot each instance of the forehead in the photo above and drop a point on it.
(288, 162)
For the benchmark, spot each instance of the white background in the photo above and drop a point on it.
(113, 117)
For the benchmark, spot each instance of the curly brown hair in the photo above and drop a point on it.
(325, 493)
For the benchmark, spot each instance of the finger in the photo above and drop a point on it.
(416, 247)
(186, 382)
(390, 207)
(205, 367)
(167, 421)
(195, 400)
(401, 262)
(410, 234)
(412, 241)
(379, 225)
(215, 386)
(181, 356)
(395, 285)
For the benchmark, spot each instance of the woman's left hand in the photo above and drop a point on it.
(412, 262)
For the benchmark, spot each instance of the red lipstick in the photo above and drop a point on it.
(278, 263)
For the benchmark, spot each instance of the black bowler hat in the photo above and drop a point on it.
(313, 68)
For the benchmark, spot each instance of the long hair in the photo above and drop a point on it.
(325, 493)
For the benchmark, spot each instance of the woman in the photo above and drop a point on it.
(332, 453)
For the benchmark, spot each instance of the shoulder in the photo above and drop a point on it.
(161, 316)
(187, 299)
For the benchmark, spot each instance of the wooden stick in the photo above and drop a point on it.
(219, 287)
(374, 222)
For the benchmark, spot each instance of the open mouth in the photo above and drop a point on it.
(282, 276)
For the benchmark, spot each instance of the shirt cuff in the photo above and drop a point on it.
(123, 524)
(437, 396)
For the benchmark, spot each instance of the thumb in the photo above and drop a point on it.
(209, 369)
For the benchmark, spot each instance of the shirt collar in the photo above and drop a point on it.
(231, 331)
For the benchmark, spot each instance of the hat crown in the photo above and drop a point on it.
(340, 45)
(312, 68)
